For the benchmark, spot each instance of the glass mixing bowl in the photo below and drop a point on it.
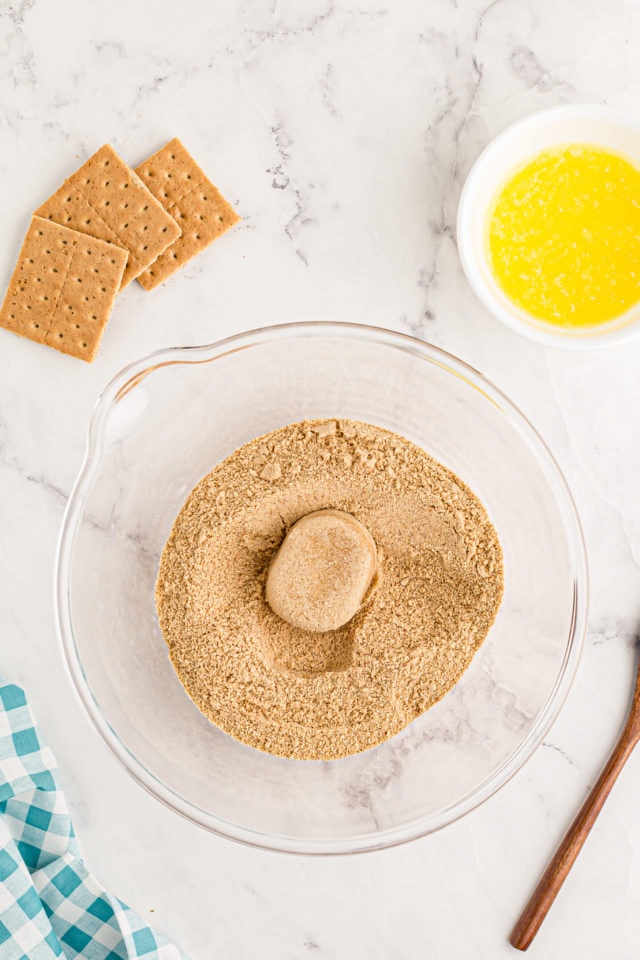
(160, 426)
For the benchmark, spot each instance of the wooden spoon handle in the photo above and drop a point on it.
(556, 873)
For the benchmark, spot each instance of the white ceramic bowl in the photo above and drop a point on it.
(577, 123)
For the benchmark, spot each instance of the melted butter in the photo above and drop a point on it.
(564, 236)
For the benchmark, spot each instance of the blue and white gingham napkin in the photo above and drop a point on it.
(50, 905)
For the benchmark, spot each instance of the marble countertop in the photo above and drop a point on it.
(343, 132)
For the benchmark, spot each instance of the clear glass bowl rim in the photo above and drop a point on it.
(127, 379)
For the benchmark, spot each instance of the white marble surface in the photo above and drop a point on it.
(343, 132)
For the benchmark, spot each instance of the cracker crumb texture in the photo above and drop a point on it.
(259, 678)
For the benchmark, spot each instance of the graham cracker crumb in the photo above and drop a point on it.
(272, 471)
(307, 695)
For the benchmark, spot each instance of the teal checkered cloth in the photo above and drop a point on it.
(50, 905)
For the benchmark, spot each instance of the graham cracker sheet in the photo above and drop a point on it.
(63, 288)
(105, 199)
(196, 205)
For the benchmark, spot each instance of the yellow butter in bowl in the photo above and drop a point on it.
(563, 236)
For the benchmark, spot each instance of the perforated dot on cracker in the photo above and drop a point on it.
(63, 288)
(106, 199)
(197, 206)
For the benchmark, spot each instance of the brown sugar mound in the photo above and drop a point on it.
(324, 695)
(322, 573)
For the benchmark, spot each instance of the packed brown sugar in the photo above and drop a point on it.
(312, 694)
